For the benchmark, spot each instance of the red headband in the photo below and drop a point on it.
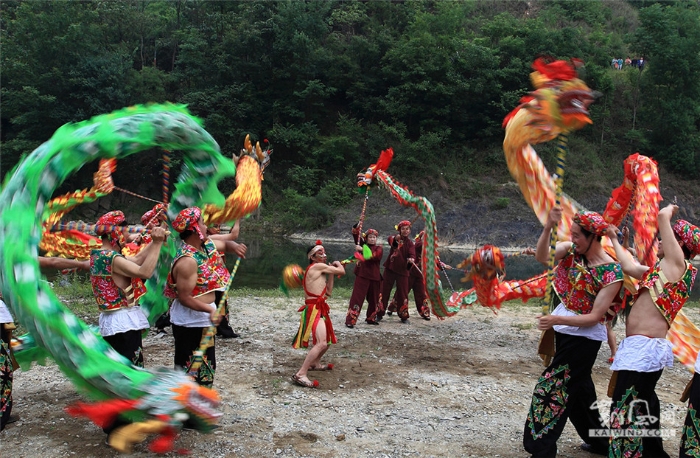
(188, 219)
(689, 234)
(151, 215)
(113, 218)
(592, 222)
(314, 250)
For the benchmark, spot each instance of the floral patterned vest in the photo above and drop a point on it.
(668, 297)
(108, 295)
(578, 285)
(211, 271)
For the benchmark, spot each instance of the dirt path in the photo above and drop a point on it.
(458, 387)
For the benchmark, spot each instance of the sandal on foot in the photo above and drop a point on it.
(305, 383)
(322, 367)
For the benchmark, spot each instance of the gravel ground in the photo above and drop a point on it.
(456, 387)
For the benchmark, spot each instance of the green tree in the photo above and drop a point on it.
(670, 85)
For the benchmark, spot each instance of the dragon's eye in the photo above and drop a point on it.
(577, 103)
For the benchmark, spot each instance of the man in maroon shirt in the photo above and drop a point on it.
(416, 282)
(402, 257)
(367, 278)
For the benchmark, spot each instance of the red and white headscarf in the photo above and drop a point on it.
(689, 234)
(403, 224)
(591, 222)
(318, 247)
(114, 235)
(371, 232)
(188, 219)
(154, 214)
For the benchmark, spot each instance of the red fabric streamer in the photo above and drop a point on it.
(385, 159)
(103, 413)
(164, 443)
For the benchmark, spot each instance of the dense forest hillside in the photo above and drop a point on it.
(330, 84)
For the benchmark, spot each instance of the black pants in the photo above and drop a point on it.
(129, 344)
(690, 440)
(5, 377)
(636, 406)
(187, 341)
(564, 391)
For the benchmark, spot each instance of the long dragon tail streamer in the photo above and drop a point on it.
(430, 253)
(91, 364)
(376, 175)
(558, 105)
(69, 243)
(638, 196)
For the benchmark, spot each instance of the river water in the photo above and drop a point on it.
(267, 256)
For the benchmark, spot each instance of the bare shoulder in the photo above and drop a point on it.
(185, 263)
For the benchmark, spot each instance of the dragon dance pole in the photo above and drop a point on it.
(94, 228)
(206, 339)
(166, 176)
(562, 141)
(362, 215)
(546, 346)
(442, 268)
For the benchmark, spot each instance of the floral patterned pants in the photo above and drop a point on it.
(564, 391)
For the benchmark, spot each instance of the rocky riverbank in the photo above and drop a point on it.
(456, 387)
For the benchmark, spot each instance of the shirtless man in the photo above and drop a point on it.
(315, 317)
(643, 354)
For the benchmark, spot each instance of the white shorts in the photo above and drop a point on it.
(122, 320)
(188, 318)
(643, 354)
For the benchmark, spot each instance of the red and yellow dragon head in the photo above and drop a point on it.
(559, 102)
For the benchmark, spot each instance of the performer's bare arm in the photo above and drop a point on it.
(185, 275)
(673, 263)
(600, 306)
(63, 263)
(329, 285)
(225, 242)
(629, 265)
(334, 268)
(232, 235)
(320, 275)
(143, 254)
(542, 250)
(126, 268)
